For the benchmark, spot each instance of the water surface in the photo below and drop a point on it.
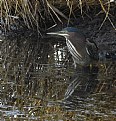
(39, 82)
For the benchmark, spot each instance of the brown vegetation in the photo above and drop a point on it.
(35, 14)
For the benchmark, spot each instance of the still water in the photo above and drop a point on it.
(38, 82)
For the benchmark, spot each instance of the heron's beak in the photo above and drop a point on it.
(61, 33)
(53, 33)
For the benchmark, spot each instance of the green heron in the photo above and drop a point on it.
(83, 51)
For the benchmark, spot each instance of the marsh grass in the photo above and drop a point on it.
(36, 14)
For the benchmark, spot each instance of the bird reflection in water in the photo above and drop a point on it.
(83, 83)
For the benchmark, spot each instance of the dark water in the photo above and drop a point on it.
(39, 82)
